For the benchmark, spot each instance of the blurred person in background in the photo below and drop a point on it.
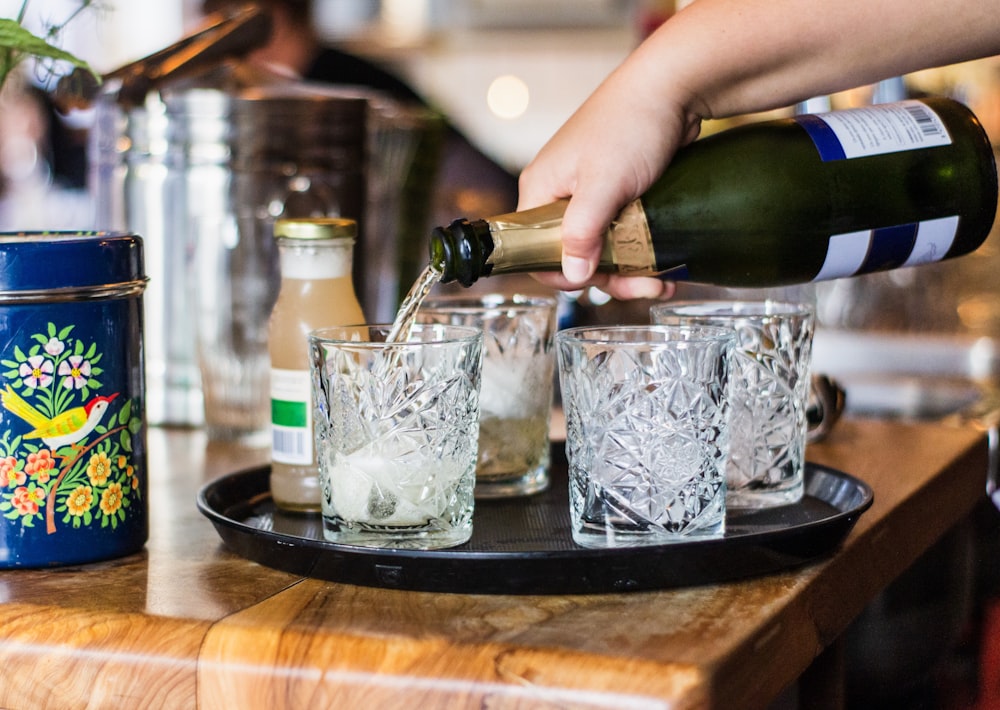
(296, 50)
(43, 163)
(469, 181)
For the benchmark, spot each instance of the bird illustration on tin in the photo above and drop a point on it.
(64, 429)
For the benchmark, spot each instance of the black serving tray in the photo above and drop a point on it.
(524, 546)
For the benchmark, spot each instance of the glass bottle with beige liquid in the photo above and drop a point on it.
(316, 291)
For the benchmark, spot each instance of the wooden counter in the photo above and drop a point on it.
(188, 624)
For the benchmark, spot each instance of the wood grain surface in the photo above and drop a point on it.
(188, 624)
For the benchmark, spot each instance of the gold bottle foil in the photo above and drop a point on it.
(531, 240)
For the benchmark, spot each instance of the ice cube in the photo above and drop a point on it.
(507, 386)
(377, 484)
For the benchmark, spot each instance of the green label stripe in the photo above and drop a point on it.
(290, 414)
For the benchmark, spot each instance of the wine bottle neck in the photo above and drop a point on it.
(531, 240)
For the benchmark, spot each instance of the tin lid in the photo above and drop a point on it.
(312, 228)
(40, 261)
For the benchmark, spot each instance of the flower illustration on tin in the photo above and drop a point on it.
(39, 464)
(10, 475)
(36, 372)
(28, 499)
(111, 499)
(79, 501)
(8, 471)
(75, 372)
(68, 454)
(99, 469)
(54, 347)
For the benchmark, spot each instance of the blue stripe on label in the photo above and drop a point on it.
(823, 137)
(866, 250)
(889, 248)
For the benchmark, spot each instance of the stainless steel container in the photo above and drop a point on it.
(202, 169)
(134, 190)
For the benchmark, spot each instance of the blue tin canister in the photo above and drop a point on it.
(73, 481)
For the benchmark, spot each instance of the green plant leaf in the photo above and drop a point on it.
(15, 37)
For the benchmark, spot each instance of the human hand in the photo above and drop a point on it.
(607, 154)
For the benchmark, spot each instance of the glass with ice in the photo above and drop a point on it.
(396, 431)
(647, 432)
(516, 399)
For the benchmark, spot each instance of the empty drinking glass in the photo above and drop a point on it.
(647, 432)
(770, 393)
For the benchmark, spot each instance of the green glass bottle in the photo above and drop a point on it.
(780, 202)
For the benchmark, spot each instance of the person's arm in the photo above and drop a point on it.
(721, 58)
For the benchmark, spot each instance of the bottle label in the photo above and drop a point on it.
(854, 253)
(630, 242)
(291, 416)
(873, 130)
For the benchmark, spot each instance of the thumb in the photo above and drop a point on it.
(584, 225)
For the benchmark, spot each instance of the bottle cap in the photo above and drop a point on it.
(312, 228)
(460, 250)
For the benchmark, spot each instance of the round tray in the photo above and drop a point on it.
(524, 546)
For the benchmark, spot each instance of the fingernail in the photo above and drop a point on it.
(575, 269)
(647, 288)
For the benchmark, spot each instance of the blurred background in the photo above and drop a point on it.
(507, 73)
(462, 93)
